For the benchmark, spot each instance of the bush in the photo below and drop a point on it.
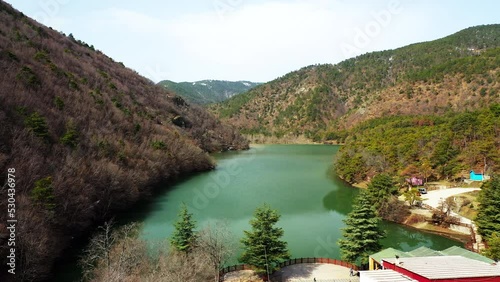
(37, 125)
(43, 193)
(28, 77)
(59, 103)
(159, 145)
(394, 210)
(70, 138)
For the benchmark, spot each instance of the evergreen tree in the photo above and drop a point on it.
(493, 250)
(37, 124)
(70, 137)
(43, 193)
(263, 247)
(362, 234)
(380, 189)
(184, 237)
(488, 217)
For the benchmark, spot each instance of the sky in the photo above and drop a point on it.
(253, 40)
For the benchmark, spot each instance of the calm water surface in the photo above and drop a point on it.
(297, 180)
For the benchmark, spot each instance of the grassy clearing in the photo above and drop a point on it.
(468, 204)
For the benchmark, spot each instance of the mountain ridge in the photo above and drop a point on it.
(457, 72)
(208, 91)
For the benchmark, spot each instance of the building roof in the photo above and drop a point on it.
(389, 253)
(424, 252)
(457, 251)
(447, 267)
(385, 276)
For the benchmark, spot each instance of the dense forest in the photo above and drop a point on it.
(207, 91)
(84, 136)
(429, 146)
(456, 73)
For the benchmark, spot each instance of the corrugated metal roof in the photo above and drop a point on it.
(389, 253)
(457, 251)
(447, 267)
(385, 276)
(424, 252)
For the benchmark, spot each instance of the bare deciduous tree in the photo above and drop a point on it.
(216, 242)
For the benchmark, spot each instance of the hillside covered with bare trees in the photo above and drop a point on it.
(83, 137)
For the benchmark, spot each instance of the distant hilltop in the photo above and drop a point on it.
(456, 73)
(208, 91)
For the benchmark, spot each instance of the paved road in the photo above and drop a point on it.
(306, 272)
(434, 198)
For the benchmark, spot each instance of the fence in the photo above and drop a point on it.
(239, 267)
(318, 260)
(232, 268)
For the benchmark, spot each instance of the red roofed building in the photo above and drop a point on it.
(444, 269)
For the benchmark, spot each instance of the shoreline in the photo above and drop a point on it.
(441, 231)
(425, 226)
(292, 140)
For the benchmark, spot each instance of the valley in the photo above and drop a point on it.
(87, 140)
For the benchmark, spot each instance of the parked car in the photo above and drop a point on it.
(422, 190)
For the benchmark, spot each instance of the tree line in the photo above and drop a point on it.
(431, 147)
(488, 219)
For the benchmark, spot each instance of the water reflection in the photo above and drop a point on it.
(340, 200)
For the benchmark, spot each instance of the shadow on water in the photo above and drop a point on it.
(66, 268)
(146, 206)
(340, 199)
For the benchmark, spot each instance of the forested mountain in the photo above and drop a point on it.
(429, 146)
(456, 73)
(207, 91)
(83, 137)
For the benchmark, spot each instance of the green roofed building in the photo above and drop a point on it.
(375, 260)
(457, 251)
(425, 252)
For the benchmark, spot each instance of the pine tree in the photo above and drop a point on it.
(184, 237)
(362, 234)
(43, 193)
(380, 189)
(37, 124)
(488, 219)
(493, 250)
(263, 247)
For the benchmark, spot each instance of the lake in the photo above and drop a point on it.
(297, 180)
